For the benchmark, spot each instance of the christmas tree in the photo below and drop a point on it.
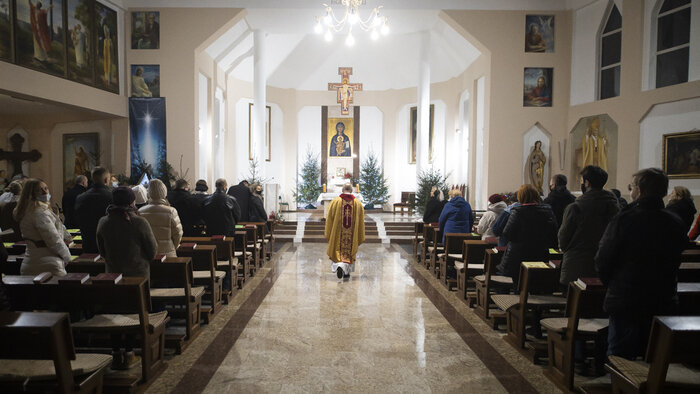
(426, 180)
(308, 187)
(254, 172)
(373, 185)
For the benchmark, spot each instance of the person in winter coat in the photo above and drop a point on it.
(496, 206)
(584, 223)
(530, 232)
(256, 206)
(188, 207)
(456, 217)
(680, 202)
(91, 206)
(141, 196)
(434, 207)
(559, 196)
(43, 230)
(243, 196)
(620, 200)
(68, 201)
(124, 238)
(638, 260)
(164, 221)
(221, 211)
(500, 224)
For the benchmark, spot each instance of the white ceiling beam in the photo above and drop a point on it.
(238, 60)
(233, 45)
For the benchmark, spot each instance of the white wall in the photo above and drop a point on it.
(309, 137)
(481, 167)
(674, 117)
(371, 134)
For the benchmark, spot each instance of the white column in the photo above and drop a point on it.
(423, 131)
(259, 100)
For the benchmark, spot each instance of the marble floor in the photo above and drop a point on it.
(388, 328)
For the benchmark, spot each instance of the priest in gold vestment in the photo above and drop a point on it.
(345, 231)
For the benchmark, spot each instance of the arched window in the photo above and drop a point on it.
(610, 55)
(672, 42)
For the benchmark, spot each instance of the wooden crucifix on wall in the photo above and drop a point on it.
(345, 89)
(16, 156)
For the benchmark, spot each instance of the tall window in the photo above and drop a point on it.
(672, 42)
(610, 55)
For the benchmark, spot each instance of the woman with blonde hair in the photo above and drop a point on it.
(680, 202)
(163, 219)
(43, 230)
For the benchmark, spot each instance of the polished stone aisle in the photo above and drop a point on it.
(376, 332)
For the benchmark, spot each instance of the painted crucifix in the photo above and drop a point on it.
(16, 156)
(345, 89)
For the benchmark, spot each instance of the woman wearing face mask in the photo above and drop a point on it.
(257, 208)
(43, 230)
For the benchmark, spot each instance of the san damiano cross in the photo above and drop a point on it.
(345, 89)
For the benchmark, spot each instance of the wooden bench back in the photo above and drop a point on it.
(454, 242)
(491, 261)
(172, 273)
(94, 268)
(585, 304)
(407, 197)
(537, 281)
(418, 228)
(224, 246)
(203, 257)
(673, 339)
(474, 251)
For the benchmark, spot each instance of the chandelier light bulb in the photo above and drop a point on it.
(374, 35)
(350, 40)
(377, 20)
(318, 29)
(352, 18)
(385, 29)
(328, 36)
(327, 19)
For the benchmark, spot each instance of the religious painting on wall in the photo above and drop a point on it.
(145, 30)
(414, 135)
(40, 35)
(147, 134)
(145, 80)
(594, 142)
(81, 154)
(681, 154)
(340, 137)
(107, 64)
(539, 33)
(80, 52)
(537, 87)
(268, 132)
(5, 26)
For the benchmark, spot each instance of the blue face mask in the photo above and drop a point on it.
(44, 197)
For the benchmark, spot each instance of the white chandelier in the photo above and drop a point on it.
(374, 23)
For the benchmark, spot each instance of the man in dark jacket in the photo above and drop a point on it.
(91, 206)
(188, 207)
(242, 194)
(584, 223)
(559, 196)
(68, 201)
(638, 261)
(434, 208)
(221, 212)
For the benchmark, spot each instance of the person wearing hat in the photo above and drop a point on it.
(496, 206)
(141, 196)
(124, 238)
(433, 208)
(164, 220)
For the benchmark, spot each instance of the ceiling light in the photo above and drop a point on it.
(350, 40)
(374, 34)
(318, 29)
(328, 36)
(352, 17)
(385, 29)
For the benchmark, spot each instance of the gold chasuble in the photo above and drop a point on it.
(345, 228)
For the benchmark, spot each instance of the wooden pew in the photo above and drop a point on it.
(171, 287)
(454, 243)
(270, 239)
(585, 320)
(689, 272)
(253, 245)
(690, 256)
(37, 354)
(225, 260)
(417, 238)
(472, 264)
(423, 255)
(120, 308)
(688, 298)
(240, 251)
(485, 285)
(538, 283)
(205, 274)
(674, 340)
(260, 235)
(434, 247)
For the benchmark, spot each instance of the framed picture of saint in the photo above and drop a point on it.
(40, 35)
(412, 148)
(340, 137)
(145, 30)
(5, 26)
(80, 52)
(681, 154)
(81, 154)
(145, 80)
(539, 33)
(537, 87)
(107, 63)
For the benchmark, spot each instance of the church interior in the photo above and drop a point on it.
(391, 97)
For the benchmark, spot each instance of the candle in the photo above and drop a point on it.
(324, 187)
(357, 188)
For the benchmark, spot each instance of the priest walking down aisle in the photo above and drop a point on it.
(345, 231)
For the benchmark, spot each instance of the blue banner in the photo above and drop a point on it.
(148, 143)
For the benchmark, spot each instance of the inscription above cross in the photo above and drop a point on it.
(16, 156)
(345, 89)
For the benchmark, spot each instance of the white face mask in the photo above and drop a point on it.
(115, 184)
(44, 197)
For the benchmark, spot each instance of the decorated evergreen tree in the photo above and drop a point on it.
(308, 186)
(254, 172)
(373, 186)
(426, 180)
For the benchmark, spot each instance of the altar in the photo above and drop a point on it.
(326, 198)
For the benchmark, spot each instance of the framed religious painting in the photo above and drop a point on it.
(145, 30)
(6, 30)
(268, 132)
(537, 87)
(145, 80)
(80, 49)
(107, 59)
(40, 36)
(681, 154)
(81, 154)
(539, 33)
(340, 137)
(413, 147)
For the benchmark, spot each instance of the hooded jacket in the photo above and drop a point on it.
(242, 194)
(89, 208)
(128, 246)
(164, 220)
(685, 209)
(456, 217)
(559, 199)
(41, 225)
(584, 223)
(489, 218)
(530, 232)
(433, 209)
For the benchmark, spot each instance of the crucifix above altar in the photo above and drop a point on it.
(345, 89)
